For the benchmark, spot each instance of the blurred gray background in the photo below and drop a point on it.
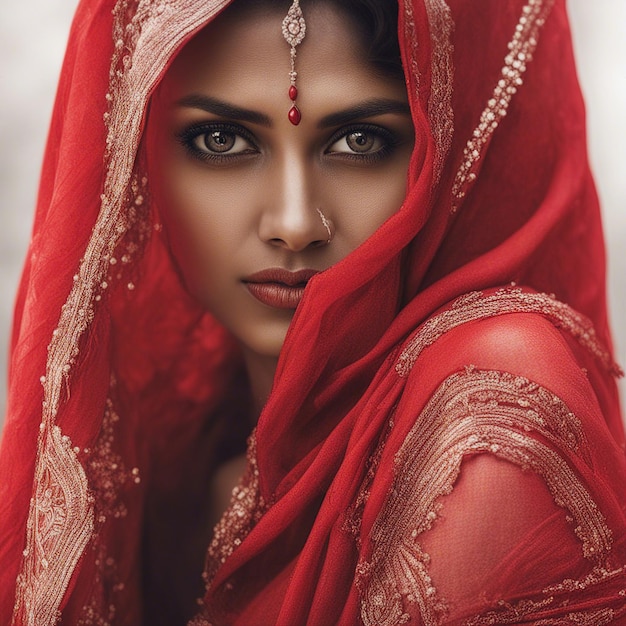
(32, 42)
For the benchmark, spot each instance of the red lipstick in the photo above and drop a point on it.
(279, 288)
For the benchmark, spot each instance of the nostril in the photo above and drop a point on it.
(296, 229)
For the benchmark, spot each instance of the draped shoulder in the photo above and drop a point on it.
(496, 509)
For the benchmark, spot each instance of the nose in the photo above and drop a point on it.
(291, 219)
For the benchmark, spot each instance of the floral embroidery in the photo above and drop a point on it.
(60, 524)
(472, 412)
(61, 517)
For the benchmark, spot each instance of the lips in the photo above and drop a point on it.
(279, 288)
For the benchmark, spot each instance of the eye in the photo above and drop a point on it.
(358, 141)
(217, 141)
(220, 142)
(361, 141)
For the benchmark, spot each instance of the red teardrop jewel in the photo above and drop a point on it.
(294, 115)
(294, 29)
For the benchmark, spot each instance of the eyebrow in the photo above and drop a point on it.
(224, 109)
(369, 108)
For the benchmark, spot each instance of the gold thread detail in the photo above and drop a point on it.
(145, 36)
(472, 412)
(508, 613)
(440, 111)
(521, 50)
(477, 305)
(244, 511)
(60, 524)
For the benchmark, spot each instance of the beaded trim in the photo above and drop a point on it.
(477, 305)
(60, 521)
(521, 49)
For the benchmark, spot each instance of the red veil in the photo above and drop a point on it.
(455, 457)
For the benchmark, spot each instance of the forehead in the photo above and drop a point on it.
(243, 51)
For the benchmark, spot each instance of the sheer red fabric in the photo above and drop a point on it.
(455, 458)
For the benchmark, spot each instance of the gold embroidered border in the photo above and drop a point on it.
(145, 34)
(410, 34)
(59, 526)
(471, 412)
(440, 112)
(514, 614)
(244, 511)
(476, 305)
(521, 50)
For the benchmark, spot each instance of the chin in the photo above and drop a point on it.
(269, 347)
(265, 342)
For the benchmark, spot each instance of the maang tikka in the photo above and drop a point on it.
(294, 29)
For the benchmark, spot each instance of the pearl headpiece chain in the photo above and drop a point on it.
(294, 30)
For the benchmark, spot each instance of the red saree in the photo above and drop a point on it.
(443, 442)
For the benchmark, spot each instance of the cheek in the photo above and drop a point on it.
(369, 201)
(199, 224)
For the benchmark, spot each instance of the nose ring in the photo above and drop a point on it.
(327, 225)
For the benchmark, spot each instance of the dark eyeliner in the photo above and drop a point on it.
(188, 135)
(390, 141)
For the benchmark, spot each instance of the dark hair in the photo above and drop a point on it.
(376, 21)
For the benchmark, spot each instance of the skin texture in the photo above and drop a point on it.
(254, 205)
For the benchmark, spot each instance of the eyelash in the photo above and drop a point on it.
(388, 138)
(189, 136)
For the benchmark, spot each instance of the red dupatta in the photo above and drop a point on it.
(114, 397)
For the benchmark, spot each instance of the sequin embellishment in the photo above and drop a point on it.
(244, 511)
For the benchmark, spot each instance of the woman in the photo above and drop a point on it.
(256, 224)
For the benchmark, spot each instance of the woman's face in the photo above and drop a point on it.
(248, 200)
